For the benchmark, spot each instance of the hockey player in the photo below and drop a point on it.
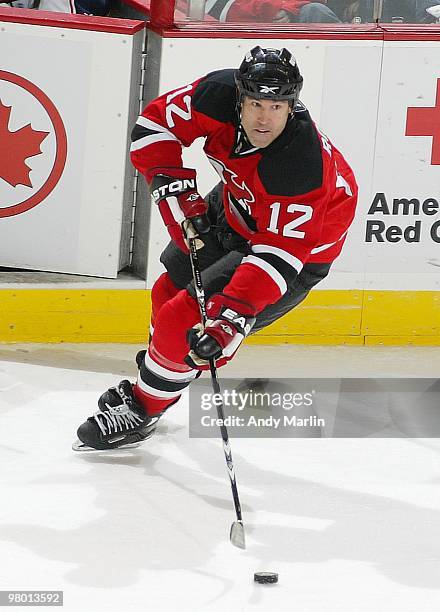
(267, 233)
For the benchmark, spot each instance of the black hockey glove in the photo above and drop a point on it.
(229, 321)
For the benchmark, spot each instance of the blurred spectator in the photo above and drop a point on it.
(18, 4)
(403, 11)
(434, 11)
(427, 11)
(82, 7)
(271, 11)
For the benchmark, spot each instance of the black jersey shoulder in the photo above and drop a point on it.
(216, 97)
(293, 164)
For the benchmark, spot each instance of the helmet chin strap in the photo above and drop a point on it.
(242, 136)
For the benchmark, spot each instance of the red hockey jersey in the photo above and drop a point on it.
(254, 10)
(293, 200)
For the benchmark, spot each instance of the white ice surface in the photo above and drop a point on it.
(350, 525)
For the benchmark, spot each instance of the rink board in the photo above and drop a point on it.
(325, 317)
(76, 199)
(378, 292)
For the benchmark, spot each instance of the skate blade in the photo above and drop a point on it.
(237, 535)
(78, 446)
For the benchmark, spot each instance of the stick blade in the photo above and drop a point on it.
(237, 535)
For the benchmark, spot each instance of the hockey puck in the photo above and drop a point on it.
(266, 577)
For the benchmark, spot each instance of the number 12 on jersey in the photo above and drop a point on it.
(289, 230)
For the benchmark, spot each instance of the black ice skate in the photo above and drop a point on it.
(119, 423)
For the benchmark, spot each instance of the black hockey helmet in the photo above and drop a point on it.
(269, 74)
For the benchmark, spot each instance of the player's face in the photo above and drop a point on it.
(264, 120)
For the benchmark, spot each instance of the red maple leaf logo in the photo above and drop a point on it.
(15, 148)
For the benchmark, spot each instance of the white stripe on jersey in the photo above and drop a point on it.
(168, 374)
(270, 270)
(155, 127)
(323, 247)
(175, 209)
(296, 263)
(157, 392)
(149, 140)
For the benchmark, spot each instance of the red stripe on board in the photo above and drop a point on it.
(429, 31)
(262, 31)
(343, 31)
(72, 22)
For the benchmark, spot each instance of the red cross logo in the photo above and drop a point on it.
(425, 121)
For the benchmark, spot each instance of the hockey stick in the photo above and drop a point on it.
(236, 535)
